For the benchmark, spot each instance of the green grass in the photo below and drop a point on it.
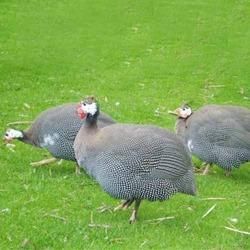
(146, 55)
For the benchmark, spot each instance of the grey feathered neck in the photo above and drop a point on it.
(91, 120)
(27, 138)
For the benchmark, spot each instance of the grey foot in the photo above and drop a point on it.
(133, 217)
(78, 170)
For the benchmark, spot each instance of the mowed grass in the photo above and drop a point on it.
(140, 58)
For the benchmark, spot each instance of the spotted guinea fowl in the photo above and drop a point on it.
(55, 129)
(217, 134)
(132, 162)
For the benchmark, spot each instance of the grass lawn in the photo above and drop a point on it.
(140, 58)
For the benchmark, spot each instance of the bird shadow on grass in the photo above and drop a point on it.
(241, 174)
(66, 171)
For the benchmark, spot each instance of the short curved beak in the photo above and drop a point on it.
(80, 112)
(175, 112)
(6, 139)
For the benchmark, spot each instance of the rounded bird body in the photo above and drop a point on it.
(135, 162)
(128, 160)
(217, 134)
(55, 129)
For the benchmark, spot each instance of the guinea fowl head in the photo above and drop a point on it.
(11, 134)
(88, 108)
(183, 112)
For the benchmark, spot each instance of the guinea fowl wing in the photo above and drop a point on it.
(225, 135)
(223, 143)
(242, 117)
(151, 157)
(146, 167)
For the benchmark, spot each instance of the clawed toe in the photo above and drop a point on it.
(133, 218)
(124, 205)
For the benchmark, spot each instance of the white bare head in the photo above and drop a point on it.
(11, 134)
(183, 112)
(88, 106)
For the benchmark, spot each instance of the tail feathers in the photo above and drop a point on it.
(187, 184)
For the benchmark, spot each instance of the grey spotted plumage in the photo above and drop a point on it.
(134, 162)
(218, 134)
(55, 129)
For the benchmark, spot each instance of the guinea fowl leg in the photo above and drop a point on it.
(128, 204)
(78, 169)
(196, 170)
(133, 217)
(43, 162)
(227, 173)
(124, 205)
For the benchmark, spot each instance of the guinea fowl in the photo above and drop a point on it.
(132, 162)
(55, 129)
(217, 134)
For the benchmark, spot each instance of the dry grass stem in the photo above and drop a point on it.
(237, 231)
(143, 243)
(209, 211)
(106, 226)
(213, 198)
(105, 208)
(43, 162)
(91, 218)
(19, 123)
(55, 216)
(159, 220)
(216, 86)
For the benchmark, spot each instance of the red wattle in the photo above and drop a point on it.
(79, 112)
